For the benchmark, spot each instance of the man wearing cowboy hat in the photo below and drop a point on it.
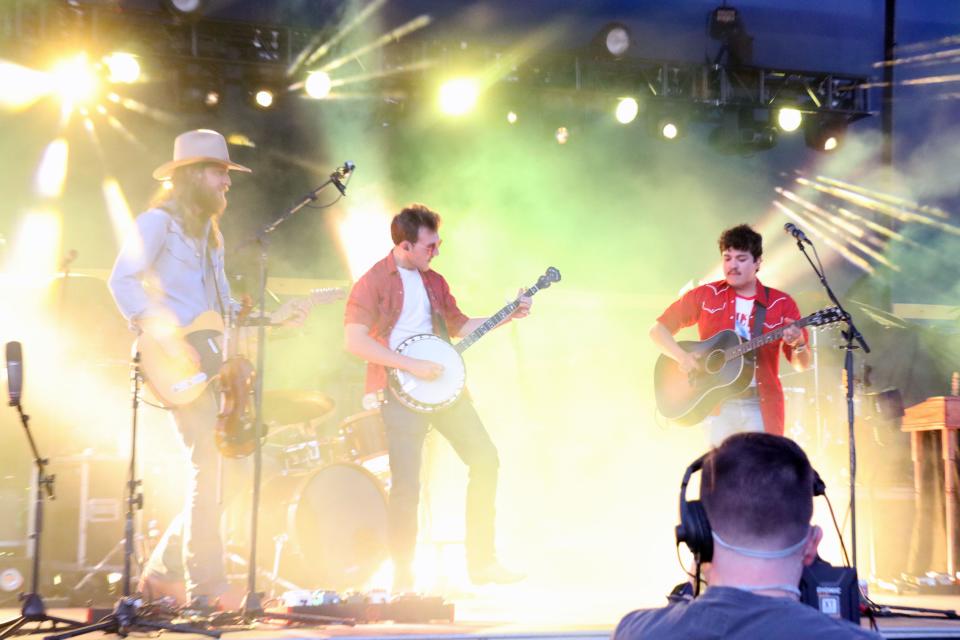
(176, 250)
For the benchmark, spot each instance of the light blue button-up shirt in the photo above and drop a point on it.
(161, 268)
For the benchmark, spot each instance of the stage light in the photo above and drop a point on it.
(562, 135)
(789, 119)
(512, 117)
(264, 98)
(74, 80)
(627, 110)
(458, 96)
(318, 84)
(667, 127)
(52, 171)
(123, 67)
(184, 8)
(212, 98)
(824, 133)
(613, 40)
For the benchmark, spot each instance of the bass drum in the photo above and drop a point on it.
(332, 522)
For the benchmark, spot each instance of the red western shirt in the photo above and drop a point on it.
(377, 299)
(712, 307)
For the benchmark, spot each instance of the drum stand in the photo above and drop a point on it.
(125, 616)
(251, 609)
(33, 609)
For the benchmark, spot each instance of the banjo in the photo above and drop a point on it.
(428, 396)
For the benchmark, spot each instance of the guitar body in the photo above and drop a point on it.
(689, 398)
(173, 377)
(428, 396)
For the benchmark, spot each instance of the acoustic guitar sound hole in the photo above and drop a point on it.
(714, 361)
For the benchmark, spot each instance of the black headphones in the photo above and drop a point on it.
(694, 528)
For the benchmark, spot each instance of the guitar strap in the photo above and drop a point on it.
(759, 315)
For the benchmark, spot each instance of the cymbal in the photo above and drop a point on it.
(293, 406)
(881, 317)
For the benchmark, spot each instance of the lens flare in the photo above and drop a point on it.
(52, 171)
(20, 86)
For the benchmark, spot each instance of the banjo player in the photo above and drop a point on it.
(399, 297)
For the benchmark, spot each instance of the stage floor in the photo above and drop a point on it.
(465, 628)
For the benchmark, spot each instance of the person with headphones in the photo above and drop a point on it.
(752, 523)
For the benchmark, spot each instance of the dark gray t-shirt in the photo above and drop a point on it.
(733, 614)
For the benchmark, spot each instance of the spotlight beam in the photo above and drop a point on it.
(316, 50)
(837, 221)
(373, 75)
(946, 41)
(886, 197)
(880, 229)
(845, 253)
(838, 227)
(403, 30)
(937, 56)
(885, 209)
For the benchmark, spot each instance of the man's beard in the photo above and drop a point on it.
(209, 202)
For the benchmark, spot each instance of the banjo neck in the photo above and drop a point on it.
(493, 321)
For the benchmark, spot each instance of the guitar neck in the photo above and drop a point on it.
(493, 321)
(764, 339)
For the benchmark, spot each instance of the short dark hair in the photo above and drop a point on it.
(406, 224)
(742, 238)
(757, 489)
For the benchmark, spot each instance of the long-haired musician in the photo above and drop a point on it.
(401, 296)
(733, 303)
(170, 271)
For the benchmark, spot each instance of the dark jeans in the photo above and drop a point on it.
(461, 426)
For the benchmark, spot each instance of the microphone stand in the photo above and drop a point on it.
(252, 607)
(126, 615)
(33, 609)
(852, 335)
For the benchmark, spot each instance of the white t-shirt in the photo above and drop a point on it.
(415, 316)
(741, 323)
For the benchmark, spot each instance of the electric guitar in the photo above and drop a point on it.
(428, 396)
(724, 371)
(178, 366)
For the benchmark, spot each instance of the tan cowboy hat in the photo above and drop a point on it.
(199, 145)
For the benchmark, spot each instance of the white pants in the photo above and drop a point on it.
(737, 415)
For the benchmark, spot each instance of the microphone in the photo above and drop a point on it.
(338, 176)
(795, 231)
(14, 372)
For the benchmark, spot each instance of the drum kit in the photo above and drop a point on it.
(323, 515)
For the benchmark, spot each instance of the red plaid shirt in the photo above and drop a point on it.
(712, 308)
(377, 299)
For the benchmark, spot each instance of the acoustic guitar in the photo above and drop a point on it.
(178, 367)
(725, 370)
